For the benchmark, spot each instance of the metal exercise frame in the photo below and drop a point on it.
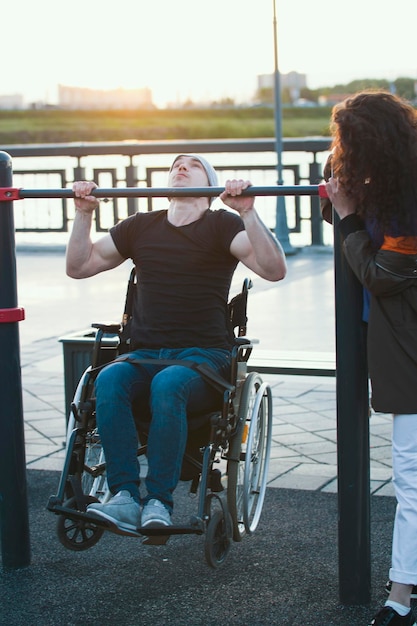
(351, 390)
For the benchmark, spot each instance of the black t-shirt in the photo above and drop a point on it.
(184, 275)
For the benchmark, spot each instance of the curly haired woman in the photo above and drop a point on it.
(373, 188)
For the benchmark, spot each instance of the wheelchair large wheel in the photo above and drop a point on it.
(77, 535)
(249, 454)
(91, 469)
(218, 539)
(93, 479)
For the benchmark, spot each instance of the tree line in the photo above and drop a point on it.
(403, 87)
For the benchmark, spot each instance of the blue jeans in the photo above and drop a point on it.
(168, 393)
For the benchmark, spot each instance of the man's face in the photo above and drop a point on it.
(187, 172)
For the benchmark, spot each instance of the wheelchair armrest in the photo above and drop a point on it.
(242, 349)
(112, 328)
(241, 341)
(99, 355)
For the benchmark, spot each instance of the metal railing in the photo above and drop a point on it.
(145, 164)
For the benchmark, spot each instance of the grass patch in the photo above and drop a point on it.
(58, 126)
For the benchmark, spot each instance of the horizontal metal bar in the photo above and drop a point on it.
(7, 194)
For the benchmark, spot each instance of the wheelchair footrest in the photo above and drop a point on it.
(196, 525)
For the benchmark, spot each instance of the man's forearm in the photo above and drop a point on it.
(79, 245)
(267, 249)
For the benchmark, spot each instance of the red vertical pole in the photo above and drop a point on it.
(14, 518)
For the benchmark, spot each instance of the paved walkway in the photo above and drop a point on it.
(296, 314)
(287, 572)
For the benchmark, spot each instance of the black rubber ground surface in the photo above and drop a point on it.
(285, 574)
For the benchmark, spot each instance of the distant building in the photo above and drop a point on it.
(84, 98)
(12, 101)
(293, 81)
(332, 98)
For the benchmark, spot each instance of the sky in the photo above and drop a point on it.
(204, 50)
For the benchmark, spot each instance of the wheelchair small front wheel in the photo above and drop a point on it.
(218, 539)
(78, 535)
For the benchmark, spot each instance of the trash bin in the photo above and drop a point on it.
(78, 349)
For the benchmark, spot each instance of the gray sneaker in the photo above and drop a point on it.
(121, 511)
(155, 515)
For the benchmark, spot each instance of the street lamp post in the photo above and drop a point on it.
(281, 225)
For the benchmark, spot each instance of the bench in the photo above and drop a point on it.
(291, 362)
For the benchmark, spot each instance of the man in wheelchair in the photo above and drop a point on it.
(185, 257)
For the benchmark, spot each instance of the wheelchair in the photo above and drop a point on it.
(226, 458)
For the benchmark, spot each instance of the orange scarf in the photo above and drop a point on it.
(404, 245)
